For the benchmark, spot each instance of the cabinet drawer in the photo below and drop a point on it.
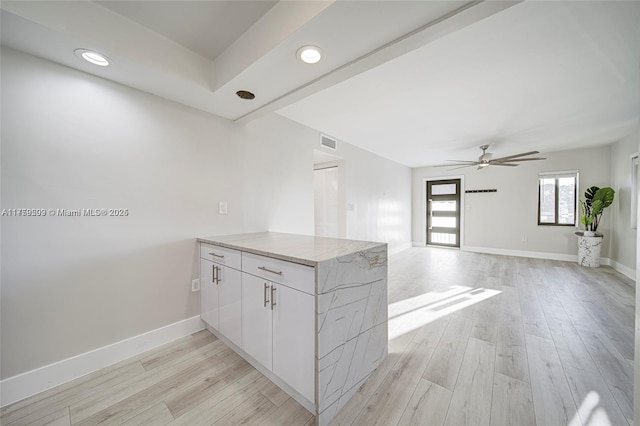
(221, 255)
(294, 275)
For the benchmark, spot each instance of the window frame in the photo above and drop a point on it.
(557, 176)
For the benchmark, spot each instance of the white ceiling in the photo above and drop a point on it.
(418, 82)
(205, 27)
(538, 76)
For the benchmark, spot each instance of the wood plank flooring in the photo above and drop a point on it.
(475, 339)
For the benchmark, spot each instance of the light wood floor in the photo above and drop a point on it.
(474, 339)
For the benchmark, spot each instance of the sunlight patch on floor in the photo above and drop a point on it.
(410, 314)
(590, 412)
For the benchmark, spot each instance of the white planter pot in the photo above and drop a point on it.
(589, 249)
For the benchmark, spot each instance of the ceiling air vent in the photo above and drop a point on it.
(327, 142)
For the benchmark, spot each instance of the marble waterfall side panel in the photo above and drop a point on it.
(352, 325)
(361, 267)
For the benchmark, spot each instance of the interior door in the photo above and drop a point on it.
(443, 213)
(326, 211)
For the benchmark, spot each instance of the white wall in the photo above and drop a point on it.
(623, 238)
(500, 220)
(378, 197)
(73, 141)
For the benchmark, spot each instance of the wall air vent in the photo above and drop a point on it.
(327, 142)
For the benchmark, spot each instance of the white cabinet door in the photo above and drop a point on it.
(208, 294)
(256, 319)
(230, 302)
(294, 339)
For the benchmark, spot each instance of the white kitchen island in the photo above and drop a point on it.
(308, 312)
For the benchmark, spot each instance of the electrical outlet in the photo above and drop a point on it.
(195, 285)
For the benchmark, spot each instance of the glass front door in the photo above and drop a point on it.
(443, 213)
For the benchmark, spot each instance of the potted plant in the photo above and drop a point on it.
(595, 201)
(589, 243)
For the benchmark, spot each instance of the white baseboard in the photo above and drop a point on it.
(23, 385)
(418, 244)
(624, 270)
(400, 248)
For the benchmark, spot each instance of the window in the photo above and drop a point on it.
(557, 198)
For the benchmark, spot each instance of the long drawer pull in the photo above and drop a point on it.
(218, 269)
(273, 299)
(266, 299)
(213, 274)
(221, 256)
(270, 270)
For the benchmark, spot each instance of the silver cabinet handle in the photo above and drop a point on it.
(215, 274)
(430, 226)
(266, 299)
(221, 256)
(273, 299)
(270, 270)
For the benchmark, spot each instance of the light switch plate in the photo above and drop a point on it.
(222, 207)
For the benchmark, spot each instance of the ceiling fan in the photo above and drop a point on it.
(485, 160)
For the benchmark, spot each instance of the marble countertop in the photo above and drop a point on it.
(303, 249)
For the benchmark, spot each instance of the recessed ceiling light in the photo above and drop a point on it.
(93, 57)
(245, 94)
(309, 54)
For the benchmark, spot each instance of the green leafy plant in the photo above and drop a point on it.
(595, 201)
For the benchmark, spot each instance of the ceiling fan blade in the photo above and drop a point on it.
(520, 159)
(510, 157)
(460, 163)
(462, 167)
(485, 160)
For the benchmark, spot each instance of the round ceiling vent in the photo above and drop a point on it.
(245, 94)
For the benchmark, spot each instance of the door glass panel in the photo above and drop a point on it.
(441, 238)
(446, 189)
(443, 206)
(443, 222)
